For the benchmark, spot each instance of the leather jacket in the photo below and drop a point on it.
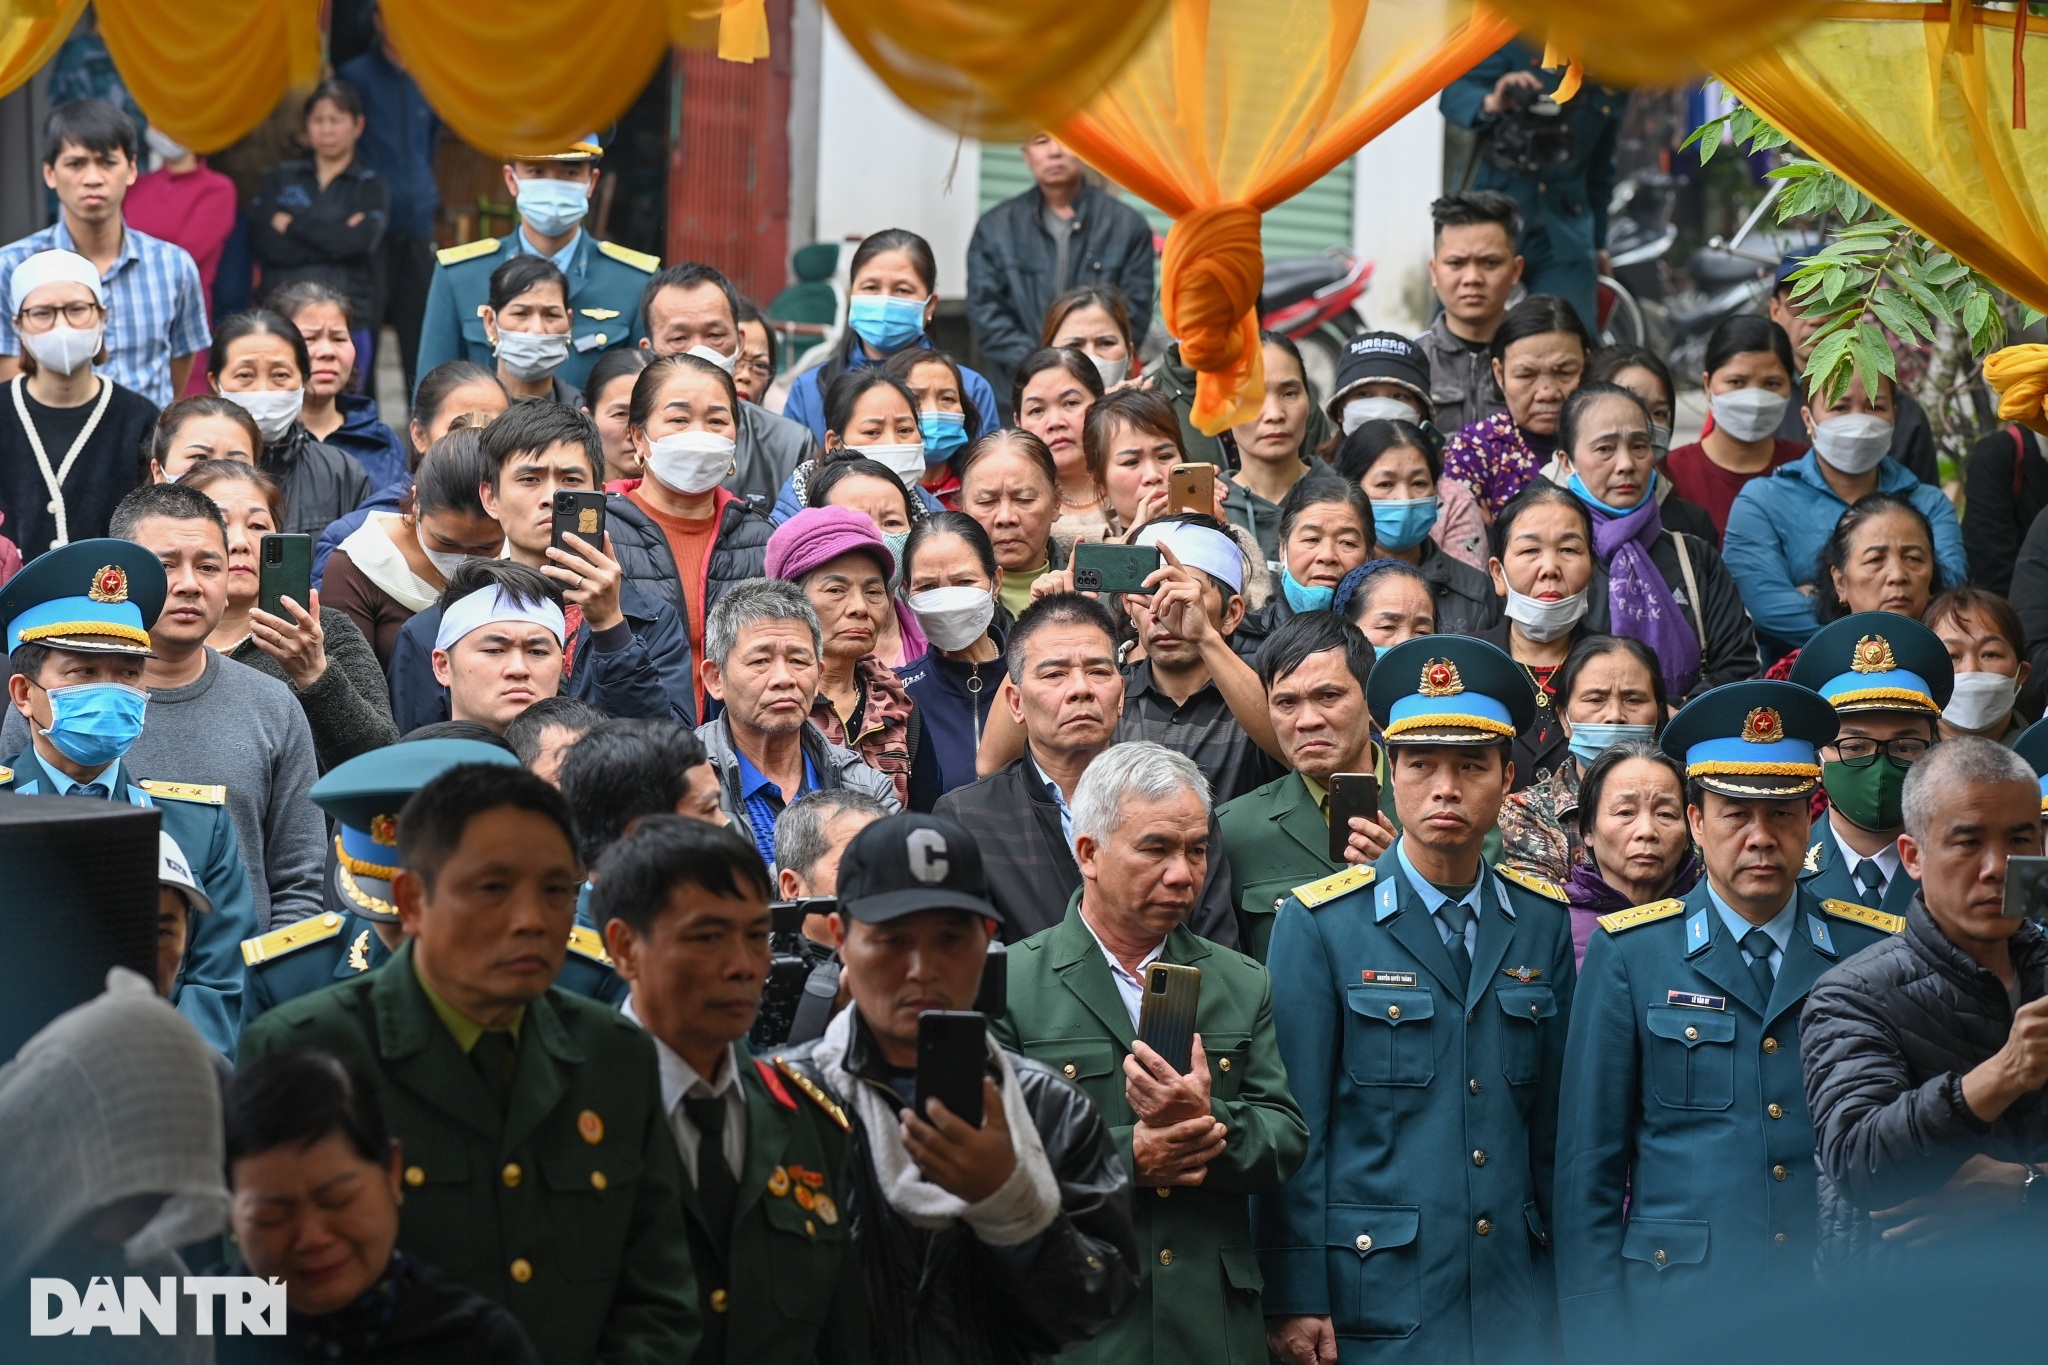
(945, 1298)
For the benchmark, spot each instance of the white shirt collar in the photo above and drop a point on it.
(1130, 987)
(678, 1077)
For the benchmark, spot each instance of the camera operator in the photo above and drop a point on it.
(1556, 161)
(1926, 1054)
(804, 990)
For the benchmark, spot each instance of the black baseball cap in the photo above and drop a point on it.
(902, 864)
(1381, 357)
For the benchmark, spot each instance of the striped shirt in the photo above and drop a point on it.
(1202, 728)
(156, 309)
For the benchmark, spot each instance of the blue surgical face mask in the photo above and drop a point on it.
(1400, 524)
(1303, 597)
(885, 323)
(1380, 651)
(944, 433)
(1579, 491)
(1589, 741)
(95, 723)
(552, 207)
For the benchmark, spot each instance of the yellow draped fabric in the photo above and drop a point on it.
(1918, 112)
(1659, 42)
(516, 77)
(30, 32)
(1232, 107)
(208, 73)
(997, 69)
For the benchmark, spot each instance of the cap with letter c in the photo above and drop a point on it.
(903, 864)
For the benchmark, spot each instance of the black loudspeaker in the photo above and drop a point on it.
(78, 881)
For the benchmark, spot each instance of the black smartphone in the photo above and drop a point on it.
(284, 569)
(580, 515)
(1166, 1019)
(952, 1059)
(1114, 568)
(1351, 794)
(1191, 487)
(993, 999)
(2026, 888)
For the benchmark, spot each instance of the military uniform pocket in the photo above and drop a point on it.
(1388, 1037)
(805, 1244)
(1661, 1243)
(590, 1197)
(1521, 1044)
(1375, 1271)
(1094, 1064)
(1229, 1055)
(1692, 1057)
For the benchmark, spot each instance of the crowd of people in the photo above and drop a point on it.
(552, 906)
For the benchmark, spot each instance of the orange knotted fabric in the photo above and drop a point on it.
(1208, 295)
(2019, 375)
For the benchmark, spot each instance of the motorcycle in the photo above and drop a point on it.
(1314, 302)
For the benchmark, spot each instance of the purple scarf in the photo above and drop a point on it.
(1639, 601)
(1591, 897)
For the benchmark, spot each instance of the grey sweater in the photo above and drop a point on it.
(245, 731)
(349, 707)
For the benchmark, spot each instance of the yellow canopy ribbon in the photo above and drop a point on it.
(1658, 42)
(30, 33)
(1234, 106)
(207, 74)
(2019, 376)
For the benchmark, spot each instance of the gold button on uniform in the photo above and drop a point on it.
(1483, 1226)
(1692, 1035)
(1166, 1258)
(597, 1180)
(1163, 1191)
(415, 1176)
(810, 1228)
(1473, 1085)
(1659, 1257)
(1770, 1044)
(1779, 1239)
(1364, 1242)
(719, 1300)
(1479, 1158)
(1393, 1011)
(511, 1173)
(522, 1270)
(1776, 1111)
(1068, 1071)
(1225, 1063)
(1777, 1172)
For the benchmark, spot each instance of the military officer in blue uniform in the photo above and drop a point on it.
(1422, 1021)
(1564, 201)
(1887, 676)
(1685, 1169)
(77, 625)
(553, 194)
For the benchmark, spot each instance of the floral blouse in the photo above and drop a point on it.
(1539, 826)
(1496, 460)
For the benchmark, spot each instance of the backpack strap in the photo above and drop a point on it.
(1692, 590)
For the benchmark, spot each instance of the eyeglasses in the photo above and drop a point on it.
(42, 317)
(1859, 751)
(756, 365)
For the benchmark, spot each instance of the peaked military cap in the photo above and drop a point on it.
(1449, 689)
(1877, 661)
(2033, 747)
(1752, 739)
(365, 796)
(91, 596)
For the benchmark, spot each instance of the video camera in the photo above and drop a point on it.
(1531, 133)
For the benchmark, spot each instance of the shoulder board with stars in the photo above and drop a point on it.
(292, 937)
(1641, 914)
(639, 260)
(814, 1094)
(1879, 920)
(1322, 892)
(6, 774)
(1529, 881)
(205, 795)
(587, 942)
(468, 251)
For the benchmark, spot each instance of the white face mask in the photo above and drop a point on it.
(444, 563)
(162, 145)
(61, 350)
(1854, 443)
(1660, 440)
(1980, 701)
(1359, 411)
(953, 618)
(274, 409)
(691, 462)
(1112, 371)
(1748, 414)
(723, 362)
(1542, 621)
(907, 462)
(531, 355)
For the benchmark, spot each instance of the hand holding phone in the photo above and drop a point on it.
(1352, 796)
(952, 1061)
(1100, 567)
(1191, 487)
(584, 565)
(968, 1157)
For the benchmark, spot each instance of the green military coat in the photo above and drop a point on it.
(566, 1208)
(1198, 1300)
(787, 1289)
(1277, 839)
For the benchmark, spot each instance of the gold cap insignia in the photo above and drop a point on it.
(1440, 679)
(110, 584)
(1873, 655)
(1763, 726)
(590, 1126)
(384, 830)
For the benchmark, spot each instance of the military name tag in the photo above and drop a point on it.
(1388, 978)
(1698, 1002)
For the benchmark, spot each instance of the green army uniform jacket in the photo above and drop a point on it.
(1198, 1300)
(567, 1207)
(1277, 839)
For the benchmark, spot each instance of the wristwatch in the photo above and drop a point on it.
(2033, 1200)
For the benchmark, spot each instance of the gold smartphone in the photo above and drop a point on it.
(1191, 487)
(1166, 1020)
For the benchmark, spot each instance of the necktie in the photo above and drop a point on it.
(1870, 877)
(717, 1188)
(1758, 945)
(493, 1058)
(1456, 915)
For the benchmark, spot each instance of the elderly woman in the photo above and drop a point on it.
(1988, 648)
(1638, 849)
(1389, 600)
(1010, 484)
(315, 1176)
(1542, 568)
(839, 559)
(1881, 556)
(1539, 356)
(1609, 691)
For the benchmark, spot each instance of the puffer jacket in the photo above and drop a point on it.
(320, 482)
(1885, 1040)
(943, 1297)
(739, 552)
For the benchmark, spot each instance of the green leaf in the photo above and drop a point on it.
(1924, 296)
(2029, 315)
(1898, 312)
(1872, 356)
(1829, 359)
(1797, 170)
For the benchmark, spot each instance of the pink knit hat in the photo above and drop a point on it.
(819, 535)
